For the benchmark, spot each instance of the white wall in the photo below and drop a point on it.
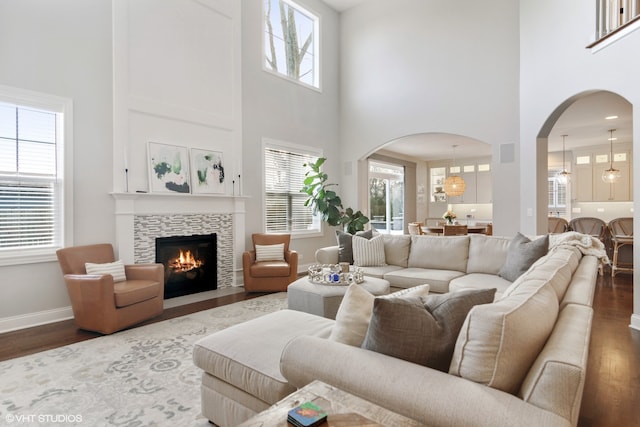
(279, 109)
(63, 48)
(556, 66)
(414, 66)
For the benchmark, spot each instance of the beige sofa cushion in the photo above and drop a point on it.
(437, 252)
(557, 268)
(480, 281)
(396, 249)
(408, 277)
(487, 254)
(499, 342)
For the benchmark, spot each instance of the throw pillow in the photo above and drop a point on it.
(422, 330)
(354, 313)
(270, 252)
(345, 251)
(116, 269)
(522, 253)
(368, 253)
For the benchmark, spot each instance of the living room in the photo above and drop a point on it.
(500, 72)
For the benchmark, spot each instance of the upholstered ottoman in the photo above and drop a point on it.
(241, 364)
(324, 300)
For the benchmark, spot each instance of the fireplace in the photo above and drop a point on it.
(190, 263)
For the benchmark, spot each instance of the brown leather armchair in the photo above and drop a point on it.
(101, 305)
(269, 275)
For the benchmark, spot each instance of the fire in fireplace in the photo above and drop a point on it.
(190, 263)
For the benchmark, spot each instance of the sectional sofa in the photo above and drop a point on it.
(520, 360)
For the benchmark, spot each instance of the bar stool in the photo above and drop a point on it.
(621, 230)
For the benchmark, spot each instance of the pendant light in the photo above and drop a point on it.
(454, 185)
(611, 175)
(563, 177)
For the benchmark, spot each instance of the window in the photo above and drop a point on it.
(284, 174)
(291, 47)
(557, 195)
(32, 181)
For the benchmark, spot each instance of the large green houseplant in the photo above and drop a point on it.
(327, 203)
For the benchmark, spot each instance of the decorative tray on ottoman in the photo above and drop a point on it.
(335, 274)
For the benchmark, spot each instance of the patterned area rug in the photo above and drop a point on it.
(140, 377)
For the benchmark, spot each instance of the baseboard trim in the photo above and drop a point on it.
(30, 320)
(635, 322)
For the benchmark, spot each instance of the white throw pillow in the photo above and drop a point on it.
(116, 269)
(368, 252)
(270, 252)
(354, 313)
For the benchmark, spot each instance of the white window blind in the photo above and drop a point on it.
(284, 203)
(557, 192)
(28, 177)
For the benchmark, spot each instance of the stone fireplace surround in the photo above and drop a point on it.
(141, 217)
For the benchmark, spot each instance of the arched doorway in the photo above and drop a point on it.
(577, 138)
(427, 159)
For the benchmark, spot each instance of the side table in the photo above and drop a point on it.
(344, 409)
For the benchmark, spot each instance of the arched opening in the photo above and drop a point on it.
(587, 135)
(427, 159)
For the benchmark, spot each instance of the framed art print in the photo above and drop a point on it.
(207, 171)
(168, 168)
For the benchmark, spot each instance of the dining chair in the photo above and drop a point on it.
(557, 225)
(415, 228)
(455, 230)
(621, 230)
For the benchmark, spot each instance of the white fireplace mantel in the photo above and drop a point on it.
(128, 205)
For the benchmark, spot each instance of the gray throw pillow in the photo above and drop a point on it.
(345, 248)
(522, 253)
(422, 330)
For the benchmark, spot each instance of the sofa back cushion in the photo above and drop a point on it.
(396, 249)
(499, 342)
(557, 268)
(439, 252)
(487, 254)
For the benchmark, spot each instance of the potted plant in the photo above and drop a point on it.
(326, 202)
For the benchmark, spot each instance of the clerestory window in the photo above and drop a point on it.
(291, 42)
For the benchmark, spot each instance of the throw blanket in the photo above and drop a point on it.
(585, 243)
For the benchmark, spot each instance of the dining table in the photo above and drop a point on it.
(439, 229)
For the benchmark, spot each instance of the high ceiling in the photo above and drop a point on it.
(584, 123)
(342, 5)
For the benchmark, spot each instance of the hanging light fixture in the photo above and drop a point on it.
(611, 175)
(563, 177)
(454, 185)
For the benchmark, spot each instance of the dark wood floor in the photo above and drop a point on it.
(612, 390)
